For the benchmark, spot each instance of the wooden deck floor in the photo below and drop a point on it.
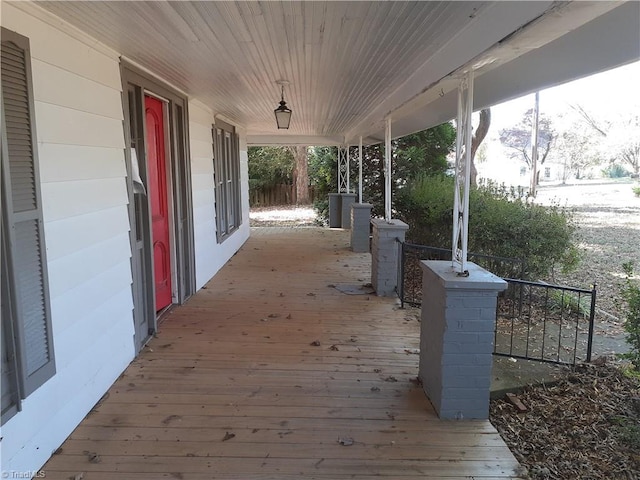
(232, 387)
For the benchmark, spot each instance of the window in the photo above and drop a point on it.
(547, 172)
(27, 348)
(226, 164)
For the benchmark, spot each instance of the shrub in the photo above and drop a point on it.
(321, 207)
(501, 223)
(636, 190)
(616, 171)
(631, 293)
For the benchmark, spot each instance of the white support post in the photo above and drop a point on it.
(343, 170)
(348, 168)
(534, 146)
(360, 171)
(463, 171)
(387, 171)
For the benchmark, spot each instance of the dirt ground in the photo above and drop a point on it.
(608, 219)
(283, 216)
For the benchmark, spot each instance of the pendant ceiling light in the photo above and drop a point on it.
(283, 113)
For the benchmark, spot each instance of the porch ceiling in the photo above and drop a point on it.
(351, 64)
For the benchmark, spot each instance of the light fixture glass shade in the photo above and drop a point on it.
(283, 115)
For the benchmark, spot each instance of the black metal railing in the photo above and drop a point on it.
(534, 320)
(543, 322)
(410, 272)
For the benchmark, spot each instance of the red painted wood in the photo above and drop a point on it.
(157, 167)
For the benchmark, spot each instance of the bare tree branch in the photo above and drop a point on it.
(588, 119)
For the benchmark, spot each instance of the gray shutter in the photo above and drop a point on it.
(24, 211)
(218, 176)
(8, 383)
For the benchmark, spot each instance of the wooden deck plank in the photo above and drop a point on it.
(232, 386)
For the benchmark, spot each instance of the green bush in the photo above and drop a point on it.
(631, 293)
(321, 206)
(636, 191)
(616, 171)
(501, 223)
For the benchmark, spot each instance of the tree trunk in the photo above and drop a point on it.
(301, 175)
(478, 137)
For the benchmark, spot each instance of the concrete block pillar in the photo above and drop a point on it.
(384, 255)
(360, 223)
(456, 338)
(335, 210)
(348, 199)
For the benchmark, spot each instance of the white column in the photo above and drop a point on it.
(343, 172)
(348, 168)
(463, 171)
(360, 171)
(387, 171)
(534, 146)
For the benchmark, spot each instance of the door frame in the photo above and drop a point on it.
(135, 84)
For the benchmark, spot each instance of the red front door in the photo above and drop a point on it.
(157, 169)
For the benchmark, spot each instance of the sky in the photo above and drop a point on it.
(600, 94)
(607, 95)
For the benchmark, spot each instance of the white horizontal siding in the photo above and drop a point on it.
(89, 230)
(66, 199)
(82, 94)
(201, 147)
(100, 320)
(73, 305)
(72, 270)
(210, 255)
(79, 162)
(56, 124)
(51, 45)
(79, 130)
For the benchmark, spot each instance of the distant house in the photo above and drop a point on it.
(125, 128)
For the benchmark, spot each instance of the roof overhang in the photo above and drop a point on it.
(352, 65)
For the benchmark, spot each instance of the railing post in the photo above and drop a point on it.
(400, 285)
(592, 317)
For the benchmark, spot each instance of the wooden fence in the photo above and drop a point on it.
(277, 195)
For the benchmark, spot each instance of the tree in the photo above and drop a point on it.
(575, 150)
(269, 166)
(518, 138)
(300, 174)
(618, 137)
(481, 132)
(623, 142)
(421, 153)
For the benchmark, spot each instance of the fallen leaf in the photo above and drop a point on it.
(375, 389)
(391, 378)
(311, 294)
(93, 457)
(273, 315)
(79, 476)
(228, 436)
(346, 441)
(170, 418)
(315, 343)
(334, 348)
(289, 317)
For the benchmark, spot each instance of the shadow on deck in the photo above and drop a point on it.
(235, 386)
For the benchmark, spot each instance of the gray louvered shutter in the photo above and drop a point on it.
(28, 274)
